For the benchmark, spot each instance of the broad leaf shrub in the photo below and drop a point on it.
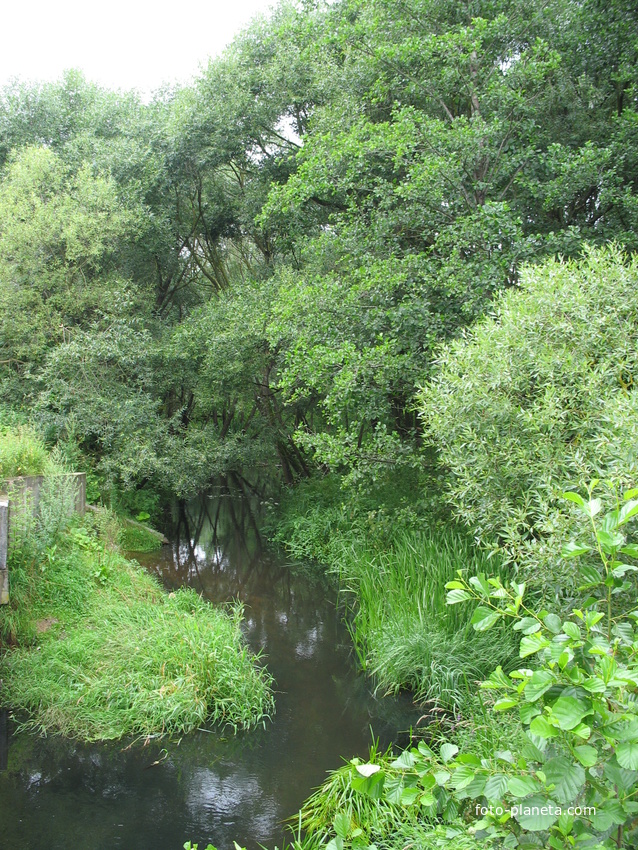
(574, 782)
(536, 399)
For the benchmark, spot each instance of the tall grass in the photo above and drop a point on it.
(392, 553)
(405, 634)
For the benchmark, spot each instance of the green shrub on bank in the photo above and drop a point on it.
(405, 635)
(538, 399)
(569, 778)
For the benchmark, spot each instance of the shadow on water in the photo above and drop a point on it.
(210, 786)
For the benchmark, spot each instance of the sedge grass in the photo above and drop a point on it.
(406, 636)
(121, 656)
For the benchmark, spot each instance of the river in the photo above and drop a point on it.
(57, 794)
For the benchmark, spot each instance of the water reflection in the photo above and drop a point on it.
(210, 787)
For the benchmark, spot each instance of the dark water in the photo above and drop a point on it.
(56, 794)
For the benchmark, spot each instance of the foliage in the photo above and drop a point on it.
(22, 452)
(574, 781)
(455, 144)
(537, 398)
(405, 636)
(120, 656)
(256, 270)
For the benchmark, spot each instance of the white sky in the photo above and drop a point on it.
(120, 44)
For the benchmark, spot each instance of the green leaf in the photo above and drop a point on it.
(593, 507)
(522, 786)
(535, 813)
(496, 786)
(620, 776)
(463, 776)
(424, 750)
(608, 814)
(527, 711)
(591, 576)
(552, 621)
(483, 619)
(455, 585)
(341, 824)
(442, 777)
(543, 728)
(566, 777)
(586, 755)
(531, 644)
(405, 761)
(527, 625)
(609, 542)
(568, 712)
(630, 549)
(574, 497)
(504, 704)
(409, 796)
(574, 549)
(448, 751)
(371, 786)
(620, 570)
(541, 681)
(456, 596)
(572, 630)
(627, 755)
(627, 511)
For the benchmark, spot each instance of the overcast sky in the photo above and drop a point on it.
(120, 44)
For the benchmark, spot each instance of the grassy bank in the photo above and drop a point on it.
(392, 559)
(92, 647)
(99, 650)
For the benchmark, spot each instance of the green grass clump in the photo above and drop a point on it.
(406, 635)
(120, 656)
(392, 554)
(136, 538)
(22, 453)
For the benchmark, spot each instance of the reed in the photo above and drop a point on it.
(405, 634)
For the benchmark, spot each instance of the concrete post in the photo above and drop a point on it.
(4, 545)
(80, 501)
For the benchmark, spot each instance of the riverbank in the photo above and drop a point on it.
(94, 648)
(391, 557)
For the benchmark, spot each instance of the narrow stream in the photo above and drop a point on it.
(57, 794)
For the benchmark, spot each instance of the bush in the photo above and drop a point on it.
(392, 554)
(537, 399)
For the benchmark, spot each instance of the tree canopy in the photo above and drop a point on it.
(256, 271)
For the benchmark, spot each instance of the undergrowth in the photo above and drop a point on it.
(22, 452)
